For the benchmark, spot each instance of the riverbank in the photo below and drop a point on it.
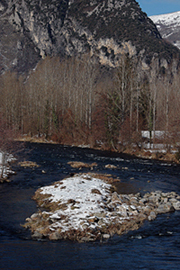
(86, 207)
(156, 154)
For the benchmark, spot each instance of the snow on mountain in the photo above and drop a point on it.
(169, 26)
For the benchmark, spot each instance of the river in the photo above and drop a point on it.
(156, 245)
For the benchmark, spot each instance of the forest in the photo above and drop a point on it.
(76, 101)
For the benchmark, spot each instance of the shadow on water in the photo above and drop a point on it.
(156, 245)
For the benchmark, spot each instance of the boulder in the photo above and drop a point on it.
(115, 197)
(37, 235)
(162, 208)
(176, 205)
(106, 236)
(110, 166)
(152, 215)
(55, 236)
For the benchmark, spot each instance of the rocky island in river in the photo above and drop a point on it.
(85, 208)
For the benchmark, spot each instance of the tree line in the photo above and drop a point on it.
(75, 101)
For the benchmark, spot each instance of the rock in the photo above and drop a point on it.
(110, 166)
(173, 200)
(173, 194)
(134, 198)
(134, 213)
(106, 236)
(100, 215)
(55, 236)
(171, 209)
(124, 168)
(133, 202)
(143, 201)
(162, 208)
(152, 215)
(124, 198)
(142, 217)
(132, 207)
(28, 219)
(91, 220)
(84, 239)
(101, 222)
(115, 197)
(34, 216)
(122, 211)
(37, 235)
(85, 225)
(176, 205)
(153, 199)
(147, 210)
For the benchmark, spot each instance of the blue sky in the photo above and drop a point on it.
(156, 7)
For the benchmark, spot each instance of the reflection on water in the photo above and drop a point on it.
(154, 246)
(126, 188)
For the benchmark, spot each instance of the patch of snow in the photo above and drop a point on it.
(78, 189)
(159, 134)
(169, 26)
(5, 170)
(167, 19)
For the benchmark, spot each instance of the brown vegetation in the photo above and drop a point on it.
(74, 101)
(79, 165)
(28, 164)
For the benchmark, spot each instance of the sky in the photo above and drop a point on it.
(157, 7)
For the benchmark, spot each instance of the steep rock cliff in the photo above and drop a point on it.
(32, 29)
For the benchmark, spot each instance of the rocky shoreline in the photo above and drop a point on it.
(86, 208)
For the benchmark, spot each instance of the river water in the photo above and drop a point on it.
(156, 245)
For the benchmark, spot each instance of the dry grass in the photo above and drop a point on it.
(79, 165)
(43, 201)
(28, 164)
(108, 178)
(96, 191)
(34, 139)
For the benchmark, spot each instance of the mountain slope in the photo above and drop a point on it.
(169, 26)
(105, 28)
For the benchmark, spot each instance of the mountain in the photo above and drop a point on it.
(169, 26)
(32, 29)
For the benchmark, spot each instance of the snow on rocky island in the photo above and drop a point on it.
(85, 208)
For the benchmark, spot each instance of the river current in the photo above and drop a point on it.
(156, 245)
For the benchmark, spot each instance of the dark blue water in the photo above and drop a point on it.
(156, 245)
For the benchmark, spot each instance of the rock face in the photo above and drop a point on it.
(169, 26)
(32, 29)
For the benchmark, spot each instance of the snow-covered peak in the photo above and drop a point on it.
(167, 19)
(169, 26)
